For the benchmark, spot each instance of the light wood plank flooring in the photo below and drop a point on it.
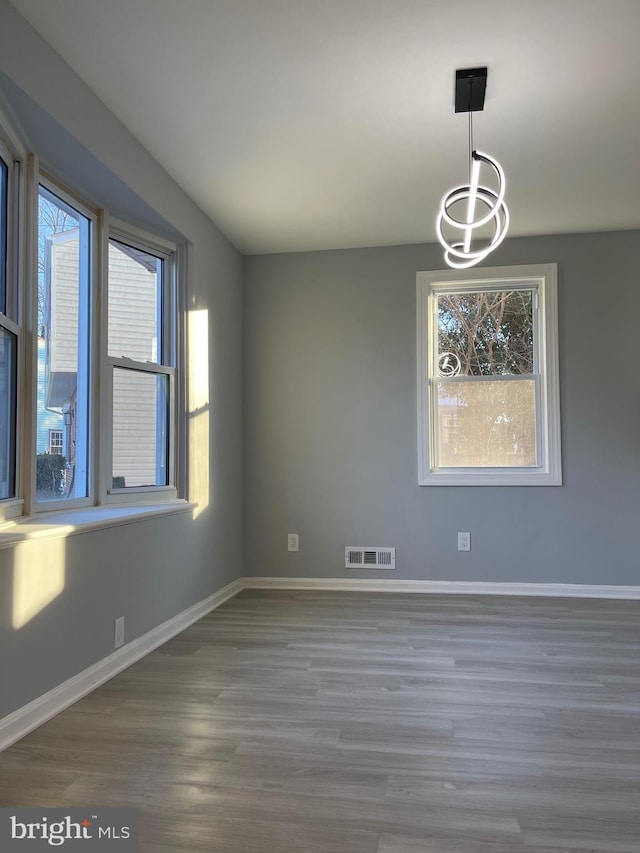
(309, 722)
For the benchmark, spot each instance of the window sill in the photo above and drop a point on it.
(70, 522)
(10, 510)
(492, 477)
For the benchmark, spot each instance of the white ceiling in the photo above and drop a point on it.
(310, 124)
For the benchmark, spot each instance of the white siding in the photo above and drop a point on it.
(64, 293)
(134, 427)
(133, 293)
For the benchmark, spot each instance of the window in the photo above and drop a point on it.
(65, 252)
(488, 398)
(55, 441)
(141, 364)
(8, 370)
(4, 180)
(9, 330)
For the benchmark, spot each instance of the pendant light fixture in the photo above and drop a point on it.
(458, 218)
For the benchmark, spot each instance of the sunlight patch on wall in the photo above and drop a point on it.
(38, 578)
(198, 400)
(199, 461)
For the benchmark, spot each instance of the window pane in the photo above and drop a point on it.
(487, 424)
(63, 348)
(485, 333)
(140, 428)
(8, 345)
(4, 174)
(135, 303)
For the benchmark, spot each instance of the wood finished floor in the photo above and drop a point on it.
(309, 722)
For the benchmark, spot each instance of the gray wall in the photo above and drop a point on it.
(330, 422)
(150, 570)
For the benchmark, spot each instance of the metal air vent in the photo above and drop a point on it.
(358, 557)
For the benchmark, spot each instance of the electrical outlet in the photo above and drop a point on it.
(464, 541)
(118, 633)
(293, 542)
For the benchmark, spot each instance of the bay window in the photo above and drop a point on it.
(93, 379)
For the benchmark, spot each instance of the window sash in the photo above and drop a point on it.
(149, 325)
(504, 286)
(168, 253)
(434, 406)
(169, 489)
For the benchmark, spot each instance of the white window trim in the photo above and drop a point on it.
(14, 157)
(544, 279)
(34, 506)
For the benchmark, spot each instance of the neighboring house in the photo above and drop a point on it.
(51, 434)
(133, 324)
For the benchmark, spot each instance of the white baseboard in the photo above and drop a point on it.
(26, 719)
(559, 590)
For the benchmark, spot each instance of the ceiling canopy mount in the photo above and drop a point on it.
(471, 85)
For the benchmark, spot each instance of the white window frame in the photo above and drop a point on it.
(42, 179)
(12, 320)
(542, 279)
(167, 251)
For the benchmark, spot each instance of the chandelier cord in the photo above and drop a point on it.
(470, 128)
(470, 143)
